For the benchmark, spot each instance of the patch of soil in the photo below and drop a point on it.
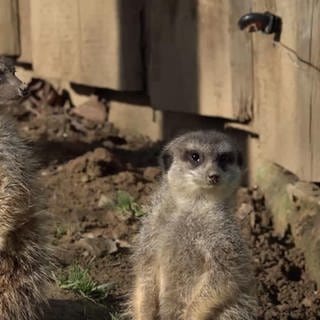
(284, 289)
(85, 165)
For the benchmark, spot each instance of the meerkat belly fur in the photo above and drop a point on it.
(24, 252)
(191, 262)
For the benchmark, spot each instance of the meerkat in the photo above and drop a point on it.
(12, 89)
(24, 252)
(190, 261)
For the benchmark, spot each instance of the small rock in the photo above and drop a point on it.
(244, 211)
(123, 244)
(151, 173)
(283, 307)
(104, 201)
(120, 230)
(108, 144)
(270, 314)
(76, 165)
(92, 110)
(304, 192)
(243, 196)
(101, 154)
(252, 219)
(84, 178)
(44, 173)
(140, 186)
(126, 177)
(98, 247)
(265, 219)
(257, 195)
(99, 162)
(307, 302)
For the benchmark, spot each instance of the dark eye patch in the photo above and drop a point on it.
(165, 160)
(194, 157)
(225, 159)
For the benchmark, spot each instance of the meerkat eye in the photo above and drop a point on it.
(194, 157)
(225, 159)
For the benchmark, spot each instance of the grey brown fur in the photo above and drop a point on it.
(24, 253)
(191, 262)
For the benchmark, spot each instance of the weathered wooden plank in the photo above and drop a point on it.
(54, 26)
(111, 43)
(9, 33)
(283, 87)
(241, 57)
(198, 60)
(25, 31)
(314, 130)
(91, 42)
(315, 109)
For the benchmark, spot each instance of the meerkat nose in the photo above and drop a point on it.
(213, 178)
(24, 90)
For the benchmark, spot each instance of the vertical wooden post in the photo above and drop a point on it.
(9, 32)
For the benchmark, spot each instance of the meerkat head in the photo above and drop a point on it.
(12, 89)
(202, 162)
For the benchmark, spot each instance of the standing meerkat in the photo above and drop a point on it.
(24, 253)
(191, 262)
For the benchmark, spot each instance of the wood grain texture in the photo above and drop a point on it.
(286, 87)
(198, 60)
(95, 42)
(9, 32)
(25, 31)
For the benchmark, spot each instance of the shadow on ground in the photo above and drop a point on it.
(76, 310)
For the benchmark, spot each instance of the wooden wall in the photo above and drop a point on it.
(9, 27)
(86, 42)
(198, 60)
(287, 87)
(187, 56)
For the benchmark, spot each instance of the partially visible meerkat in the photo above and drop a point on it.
(24, 253)
(191, 262)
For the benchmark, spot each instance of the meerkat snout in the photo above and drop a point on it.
(23, 90)
(213, 178)
(12, 89)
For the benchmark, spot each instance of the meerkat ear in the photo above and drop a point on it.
(165, 160)
(239, 159)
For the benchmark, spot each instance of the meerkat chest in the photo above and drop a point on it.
(179, 259)
(179, 243)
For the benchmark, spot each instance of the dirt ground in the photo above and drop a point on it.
(86, 167)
